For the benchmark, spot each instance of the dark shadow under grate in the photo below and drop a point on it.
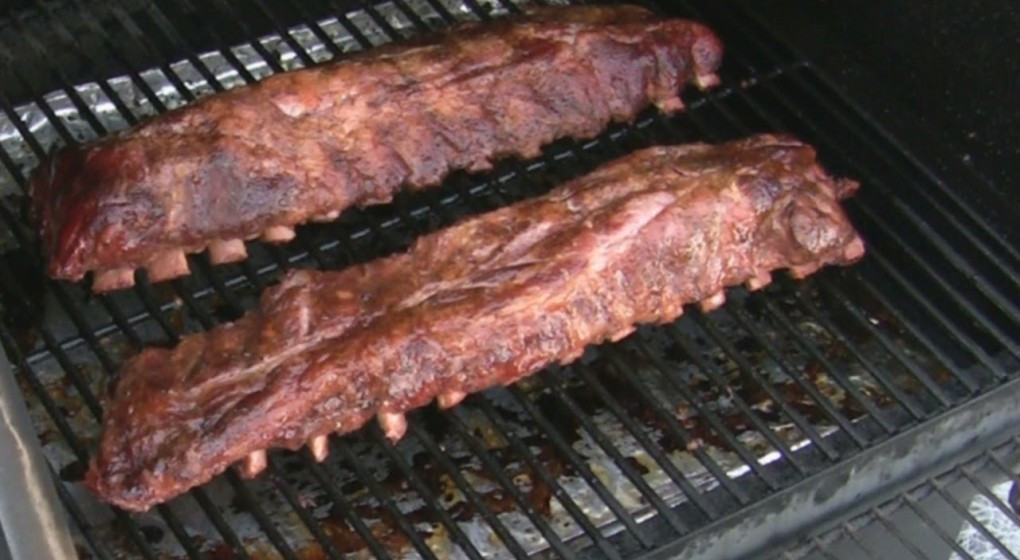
(638, 444)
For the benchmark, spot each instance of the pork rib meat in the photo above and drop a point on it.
(305, 145)
(483, 303)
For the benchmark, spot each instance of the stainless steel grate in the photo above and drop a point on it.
(642, 444)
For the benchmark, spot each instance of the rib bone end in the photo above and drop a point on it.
(854, 250)
(621, 334)
(116, 279)
(278, 234)
(227, 251)
(705, 81)
(327, 216)
(713, 302)
(759, 281)
(170, 264)
(254, 463)
(671, 105)
(803, 270)
(394, 425)
(319, 446)
(450, 399)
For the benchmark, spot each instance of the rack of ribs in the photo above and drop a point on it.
(305, 145)
(482, 303)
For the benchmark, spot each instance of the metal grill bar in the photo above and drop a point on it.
(715, 376)
(464, 433)
(466, 488)
(546, 478)
(380, 494)
(79, 103)
(965, 472)
(741, 318)
(340, 502)
(830, 368)
(422, 489)
(68, 39)
(768, 45)
(969, 517)
(111, 49)
(861, 544)
(911, 503)
(610, 449)
(746, 369)
(711, 418)
(875, 256)
(945, 360)
(828, 95)
(891, 348)
(920, 502)
(910, 404)
(682, 437)
(309, 522)
(585, 472)
(624, 417)
(895, 531)
(796, 114)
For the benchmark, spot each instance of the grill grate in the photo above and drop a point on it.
(967, 512)
(639, 444)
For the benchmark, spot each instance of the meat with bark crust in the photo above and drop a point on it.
(482, 303)
(305, 145)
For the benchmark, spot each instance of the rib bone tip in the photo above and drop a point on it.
(170, 264)
(319, 446)
(327, 216)
(705, 81)
(713, 301)
(116, 279)
(394, 425)
(278, 234)
(254, 463)
(759, 281)
(671, 105)
(803, 270)
(224, 251)
(450, 399)
(854, 250)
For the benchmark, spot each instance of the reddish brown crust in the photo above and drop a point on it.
(479, 304)
(303, 145)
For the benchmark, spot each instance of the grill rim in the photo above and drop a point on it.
(979, 424)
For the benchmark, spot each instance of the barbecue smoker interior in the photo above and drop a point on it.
(674, 435)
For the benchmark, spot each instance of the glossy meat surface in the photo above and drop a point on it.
(485, 302)
(305, 145)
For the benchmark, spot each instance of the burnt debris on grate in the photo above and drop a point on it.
(679, 425)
